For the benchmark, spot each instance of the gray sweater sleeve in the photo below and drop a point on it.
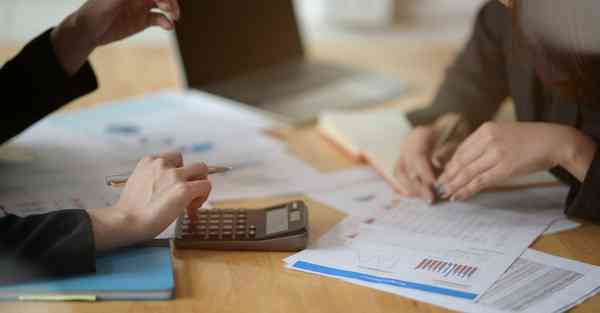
(476, 83)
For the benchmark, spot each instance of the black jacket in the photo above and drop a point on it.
(487, 71)
(59, 243)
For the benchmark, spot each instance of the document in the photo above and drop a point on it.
(369, 198)
(535, 282)
(454, 249)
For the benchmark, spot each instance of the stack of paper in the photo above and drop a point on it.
(62, 162)
(462, 256)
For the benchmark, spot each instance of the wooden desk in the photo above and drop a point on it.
(257, 282)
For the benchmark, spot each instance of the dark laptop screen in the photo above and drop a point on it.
(220, 39)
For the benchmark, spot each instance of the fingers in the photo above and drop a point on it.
(196, 171)
(470, 174)
(160, 20)
(481, 182)
(191, 194)
(443, 155)
(470, 150)
(170, 7)
(169, 159)
(411, 183)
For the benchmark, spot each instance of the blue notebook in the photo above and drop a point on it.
(144, 273)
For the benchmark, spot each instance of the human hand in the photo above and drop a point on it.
(100, 22)
(107, 21)
(156, 194)
(415, 176)
(498, 151)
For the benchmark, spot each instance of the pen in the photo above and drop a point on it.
(118, 181)
(447, 134)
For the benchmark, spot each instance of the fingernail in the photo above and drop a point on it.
(440, 189)
(453, 199)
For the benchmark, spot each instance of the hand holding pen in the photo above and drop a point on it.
(424, 154)
(153, 197)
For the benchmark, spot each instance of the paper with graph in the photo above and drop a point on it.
(453, 249)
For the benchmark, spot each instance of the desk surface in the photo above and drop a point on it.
(257, 282)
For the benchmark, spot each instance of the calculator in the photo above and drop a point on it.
(279, 228)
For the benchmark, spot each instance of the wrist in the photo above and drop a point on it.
(110, 226)
(577, 153)
(72, 45)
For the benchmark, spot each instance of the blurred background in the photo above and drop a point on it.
(414, 39)
(448, 19)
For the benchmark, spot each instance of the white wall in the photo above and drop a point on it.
(21, 20)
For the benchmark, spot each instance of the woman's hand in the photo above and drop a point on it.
(100, 22)
(414, 171)
(420, 161)
(155, 195)
(498, 151)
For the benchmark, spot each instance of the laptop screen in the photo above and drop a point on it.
(221, 39)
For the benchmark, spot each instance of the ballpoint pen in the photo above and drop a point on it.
(120, 180)
(456, 125)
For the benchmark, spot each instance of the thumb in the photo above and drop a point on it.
(443, 154)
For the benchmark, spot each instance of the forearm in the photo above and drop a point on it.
(71, 45)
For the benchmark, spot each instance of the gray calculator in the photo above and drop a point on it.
(279, 228)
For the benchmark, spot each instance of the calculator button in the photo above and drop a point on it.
(215, 215)
(252, 233)
(214, 221)
(227, 226)
(295, 205)
(240, 233)
(294, 216)
(203, 215)
(241, 227)
(228, 215)
(241, 221)
(201, 227)
(252, 227)
(213, 227)
(228, 221)
(241, 215)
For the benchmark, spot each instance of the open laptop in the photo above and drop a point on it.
(252, 52)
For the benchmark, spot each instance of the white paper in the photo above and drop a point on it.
(366, 198)
(537, 282)
(452, 248)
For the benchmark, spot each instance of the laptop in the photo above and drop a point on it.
(252, 52)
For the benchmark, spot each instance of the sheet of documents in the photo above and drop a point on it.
(366, 198)
(455, 249)
(536, 282)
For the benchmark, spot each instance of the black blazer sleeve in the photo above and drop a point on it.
(54, 244)
(477, 82)
(59, 243)
(584, 199)
(37, 85)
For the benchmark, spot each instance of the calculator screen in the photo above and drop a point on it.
(277, 221)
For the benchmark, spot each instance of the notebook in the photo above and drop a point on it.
(374, 136)
(144, 273)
